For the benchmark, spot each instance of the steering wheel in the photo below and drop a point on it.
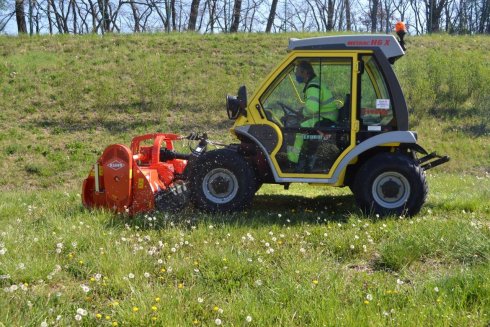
(291, 117)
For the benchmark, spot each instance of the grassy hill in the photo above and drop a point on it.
(300, 257)
(64, 98)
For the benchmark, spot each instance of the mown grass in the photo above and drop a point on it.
(300, 257)
(303, 262)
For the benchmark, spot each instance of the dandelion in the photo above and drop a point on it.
(315, 281)
(200, 300)
(115, 324)
(352, 246)
(366, 302)
(147, 275)
(78, 317)
(217, 321)
(154, 308)
(157, 299)
(181, 285)
(216, 308)
(98, 316)
(131, 276)
(248, 319)
(369, 297)
(136, 309)
(436, 289)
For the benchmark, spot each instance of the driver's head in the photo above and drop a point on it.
(304, 71)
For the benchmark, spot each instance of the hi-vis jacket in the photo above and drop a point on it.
(319, 105)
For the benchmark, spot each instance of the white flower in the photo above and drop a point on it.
(44, 324)
(59, 245)
(369, 297)
(302, 250)
(85, 288)
(436, 289)
(400, 282)
(352, 246)
(200, 300)
(81, 312)
(131, 276)
(217, 321)
(146, 274)
(78, 317)
(248, 319)
(258, 282)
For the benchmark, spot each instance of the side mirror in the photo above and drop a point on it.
(237, 105)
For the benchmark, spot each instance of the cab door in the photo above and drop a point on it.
(314, 138)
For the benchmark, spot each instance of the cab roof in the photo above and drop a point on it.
(387, 43)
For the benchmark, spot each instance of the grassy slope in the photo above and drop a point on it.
(65, 98)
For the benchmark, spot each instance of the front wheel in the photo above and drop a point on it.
(390, 184)
(222, 181)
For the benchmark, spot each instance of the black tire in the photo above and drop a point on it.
(390, 184)
(222, 181)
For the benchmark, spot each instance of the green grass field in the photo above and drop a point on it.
(302, 257)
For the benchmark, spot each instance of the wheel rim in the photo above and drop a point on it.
(220, 185)
(391, 190)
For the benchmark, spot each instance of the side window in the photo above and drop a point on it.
(376, 111)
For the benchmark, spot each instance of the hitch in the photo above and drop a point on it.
(432, 160)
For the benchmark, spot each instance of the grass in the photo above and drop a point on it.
(305, 256)
(307, 261)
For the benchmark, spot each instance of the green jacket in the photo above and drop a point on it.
(319, 104)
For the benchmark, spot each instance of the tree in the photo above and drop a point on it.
(20, 16)
(236, 16)
(272, 16)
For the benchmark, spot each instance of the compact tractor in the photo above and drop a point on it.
(364, 144)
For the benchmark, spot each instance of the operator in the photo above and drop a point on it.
(320, 110)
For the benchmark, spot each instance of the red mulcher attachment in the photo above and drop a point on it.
(139, 179)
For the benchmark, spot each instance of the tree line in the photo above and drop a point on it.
(230, 16)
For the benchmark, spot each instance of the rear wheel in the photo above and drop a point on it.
(390, 184)
(222, 181)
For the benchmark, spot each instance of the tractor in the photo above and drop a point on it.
(368, 147)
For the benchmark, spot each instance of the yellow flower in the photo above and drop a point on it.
(70, 255)
(80, 262)
(115, 324)
(315, 282)
(162, 270)
(157, 299)
(195, 321)
(366, 302)
(181, 286)
(115, 304)
(154, 308)
(107, 317)
(154, 318)
(92, 279)
(98, 316)
(216, 308)
(196, 263)
(135, 309)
